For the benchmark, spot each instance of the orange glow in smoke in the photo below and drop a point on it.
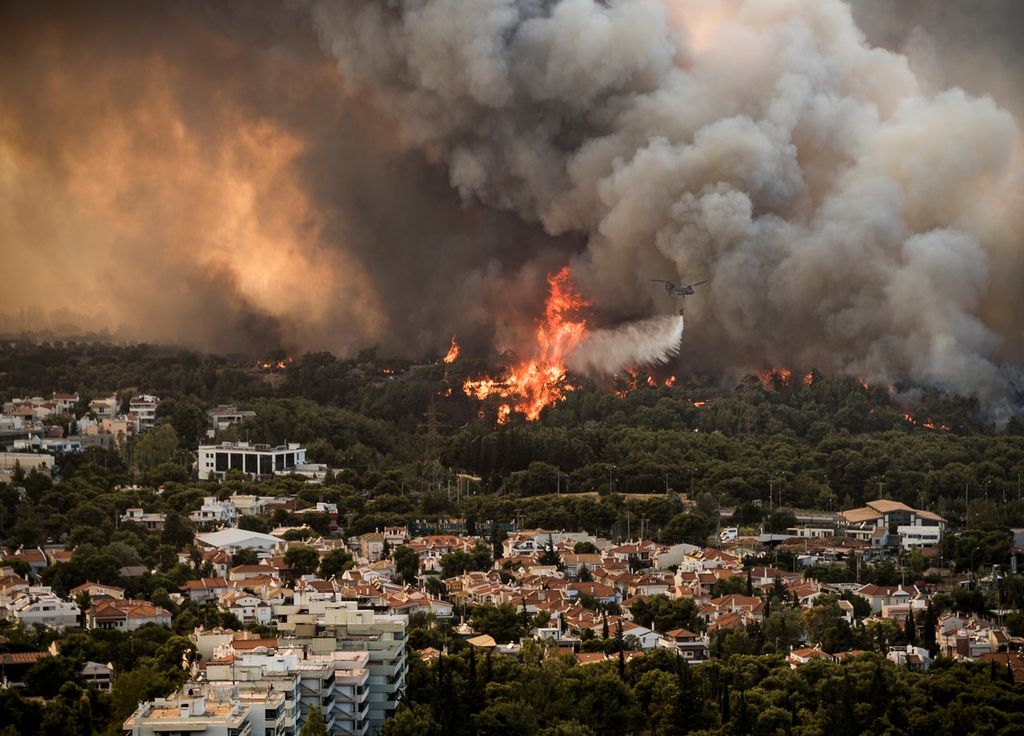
(541, 381)
(453, 352)
(701, 20)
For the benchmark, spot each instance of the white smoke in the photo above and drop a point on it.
(645, 342)
(846, 220)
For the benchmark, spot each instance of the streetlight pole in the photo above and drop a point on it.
(973, 585)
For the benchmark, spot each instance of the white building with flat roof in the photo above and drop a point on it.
(233, 539)
(255, 460)
(324, 627)
(215, 511)
(195, 711)
(144, 408)
(39, 605)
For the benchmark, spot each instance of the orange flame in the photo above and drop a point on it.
(453, 352)
(670, 381)
(540, 382)
(927, 423)
(809, 379)
(776, 376)
(278, 365)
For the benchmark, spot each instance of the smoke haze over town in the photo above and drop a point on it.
(848, 176)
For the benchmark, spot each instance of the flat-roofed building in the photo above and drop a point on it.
(227, 414)
(255, 460)
(193, 711)
(152, 520)
(144, 408)
(325, 627)
(10, 462)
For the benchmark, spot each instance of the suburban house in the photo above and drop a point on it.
(125, 615)
(892, 524)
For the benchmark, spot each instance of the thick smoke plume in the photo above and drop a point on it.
(333, 175)
(847, 218)
(643, 342)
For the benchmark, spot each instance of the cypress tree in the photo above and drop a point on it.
(621, 645)
(928, 635)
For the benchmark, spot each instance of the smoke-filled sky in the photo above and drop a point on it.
(333, 175)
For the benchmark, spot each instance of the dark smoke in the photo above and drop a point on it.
(195, 173)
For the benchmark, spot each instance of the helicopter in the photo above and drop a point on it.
(680, 291)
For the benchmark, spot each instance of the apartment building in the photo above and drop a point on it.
(325, 627)
(215, 511)
(144, 407)
(255, 460)
(336, 682)
(195, 711)
(39, 605)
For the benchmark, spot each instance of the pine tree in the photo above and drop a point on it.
(314, 725)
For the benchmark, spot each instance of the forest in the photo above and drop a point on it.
(817, 442)
(550, 695)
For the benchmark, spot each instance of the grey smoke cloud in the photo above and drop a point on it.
(848, 217)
